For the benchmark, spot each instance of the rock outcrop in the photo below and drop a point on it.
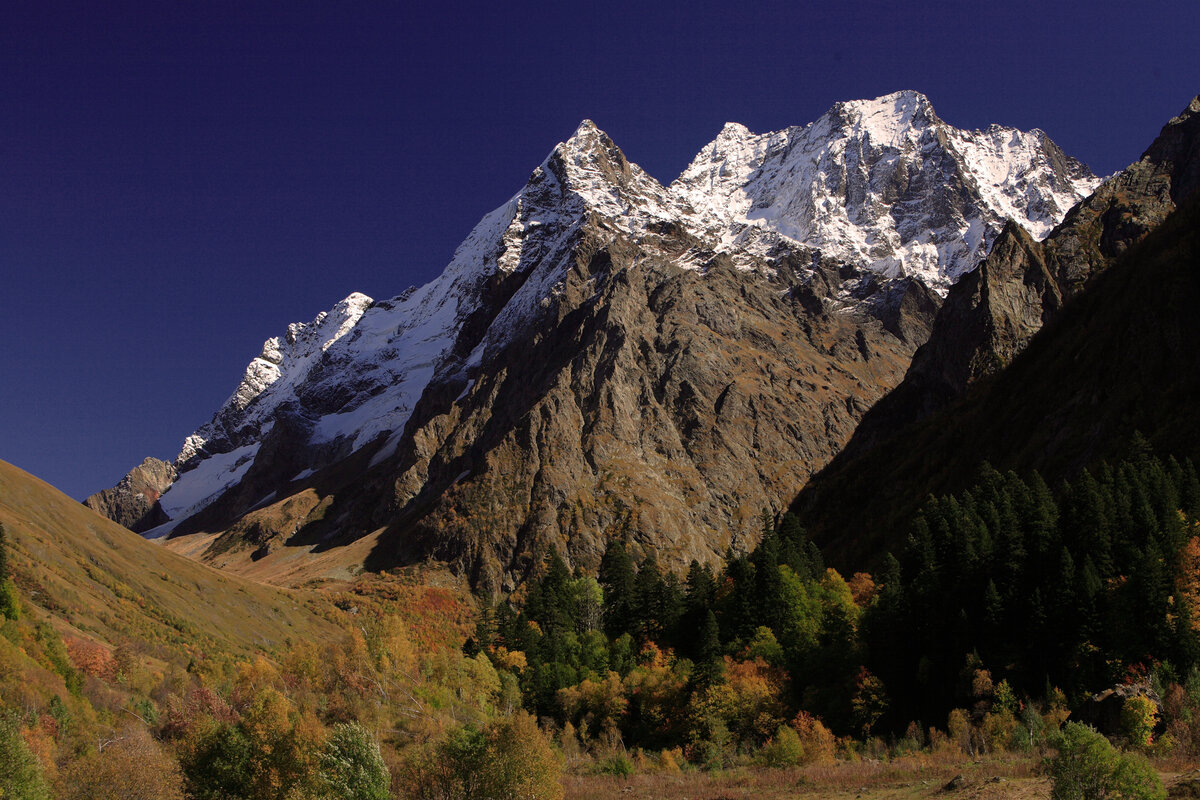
(1122, 356)
(134, 501)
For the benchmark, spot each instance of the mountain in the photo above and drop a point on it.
(1116, 285)
(991, 314)
(884, 184)
(605, 355)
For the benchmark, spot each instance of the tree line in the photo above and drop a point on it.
(1046, 594)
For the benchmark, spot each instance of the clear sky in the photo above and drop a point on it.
(178, 181)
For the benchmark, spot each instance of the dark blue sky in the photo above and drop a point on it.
(178, 181)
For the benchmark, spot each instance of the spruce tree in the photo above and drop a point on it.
(700, 592)
(739, 617)
(648, 601)
(1189, 490)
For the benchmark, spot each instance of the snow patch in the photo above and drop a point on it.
(199, 486)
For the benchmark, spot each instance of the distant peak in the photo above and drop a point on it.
(355, 300)
(906, 104)
(890, 119)
(905, 96)
(587, 137)
(733, 130)
(589, 143)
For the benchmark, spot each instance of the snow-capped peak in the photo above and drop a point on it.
(881, 183)
(893, 120)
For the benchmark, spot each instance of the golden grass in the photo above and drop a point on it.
(920, 776)
(907, 778)
(92, 577)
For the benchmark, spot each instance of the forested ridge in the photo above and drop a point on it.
(1052, 594)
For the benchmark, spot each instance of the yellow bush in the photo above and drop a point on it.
(817, 741)
(1139, 715)
(999, 730)
(959, 727)
(133, 767)
(784, 748)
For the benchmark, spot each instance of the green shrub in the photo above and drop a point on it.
(20, 774)
(619, 764)
(217, 763)
(784, 749)
(9, 607)
(1087, 767)
(509, 758)
(352, 766)
(1139, 715)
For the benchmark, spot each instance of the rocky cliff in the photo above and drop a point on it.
(1062, 411)
(134, 501)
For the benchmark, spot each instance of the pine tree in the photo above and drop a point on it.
(648, 597)
(617, 580)
(700, 591)
(1086, 523)
(768, 584)
(1044, 522)
(993, 606)
(739, 616)
(710, 666)
(1189, 490)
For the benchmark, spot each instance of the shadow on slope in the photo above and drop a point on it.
(1124, 356)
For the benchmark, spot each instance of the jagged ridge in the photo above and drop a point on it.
(989, 318)
(825, 217)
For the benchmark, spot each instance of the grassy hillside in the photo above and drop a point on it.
(95, 578)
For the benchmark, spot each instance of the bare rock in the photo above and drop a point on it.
(134, 501)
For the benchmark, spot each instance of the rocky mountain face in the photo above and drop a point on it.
(884, 184)
(134, 501)
(993, 312)
(996, 312)
(606, 355)
(1121, 358)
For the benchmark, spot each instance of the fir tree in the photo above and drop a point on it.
(1189, 490)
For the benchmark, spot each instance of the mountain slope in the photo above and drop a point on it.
(991, 314)
(1124, 356)
(605, 355)
(90, 574)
